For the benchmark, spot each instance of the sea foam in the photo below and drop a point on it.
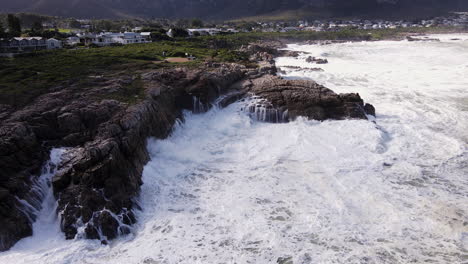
(225, 188)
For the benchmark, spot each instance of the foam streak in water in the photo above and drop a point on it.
(43, 206)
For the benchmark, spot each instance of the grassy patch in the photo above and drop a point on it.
(129, 93)
(25, 77)
(61, 30)
(343, 34)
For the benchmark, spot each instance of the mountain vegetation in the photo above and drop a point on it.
(14, 26)
(227, 9)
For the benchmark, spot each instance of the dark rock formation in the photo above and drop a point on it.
(421, 38)
(280, 100)
(20, 157)
(99, 181)
(264, 53)
(298, 68)
(100, 173)
(286, 100)
(311, 59)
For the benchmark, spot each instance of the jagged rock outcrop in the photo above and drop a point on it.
(279, 100)
(21, 157)
(267, 50)
(283, 69)
(100, 175)
(69, 117)
(99, 181)
(284, 100)
(421, 38)
(264, 53)
(312, 59)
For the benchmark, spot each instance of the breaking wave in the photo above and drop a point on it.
(225, 188)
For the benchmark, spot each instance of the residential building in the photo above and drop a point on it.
(23, 44)
(54, 44)
(203, 31)
(28, 44)
(146, 36)
(132, 38)
(108, 38)
(290, 29)
(210, 31)
(73, 40)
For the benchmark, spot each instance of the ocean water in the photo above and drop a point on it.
(227, 189)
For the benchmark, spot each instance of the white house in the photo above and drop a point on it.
(108, 38)
(73, 40)
(313, 28)
(199, 32)
(290, 29)
(54, 44)
(209, 31)
(146, 36)
(132, 37)
(170, 33)
(23, 44)
(204, 31)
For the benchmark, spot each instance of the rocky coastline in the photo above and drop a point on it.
(99, 178)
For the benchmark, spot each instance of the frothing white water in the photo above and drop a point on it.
(227, 189)
(45, 221)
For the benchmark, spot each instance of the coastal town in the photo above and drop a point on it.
(88, 33)
(458, 20)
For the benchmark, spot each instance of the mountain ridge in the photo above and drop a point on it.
(226, 9)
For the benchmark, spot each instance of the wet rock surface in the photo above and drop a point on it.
(21, 156)
(419, 38)
(294, 98)
(100, 175)
(312, 59)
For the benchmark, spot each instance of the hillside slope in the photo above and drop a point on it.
(227, 9)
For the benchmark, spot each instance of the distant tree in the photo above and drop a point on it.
(2, 31)
(153, 24)
(158, 36)
(74, 24)
(14, 26)
(37, 28)
(53, 34)
(179, 33)
(248, 26)
(104, 25)
(197, 23)
(110, 26)
(182, 23)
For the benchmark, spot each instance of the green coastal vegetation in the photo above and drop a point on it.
(29, 75)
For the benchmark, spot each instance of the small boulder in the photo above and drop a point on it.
(311, 59)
